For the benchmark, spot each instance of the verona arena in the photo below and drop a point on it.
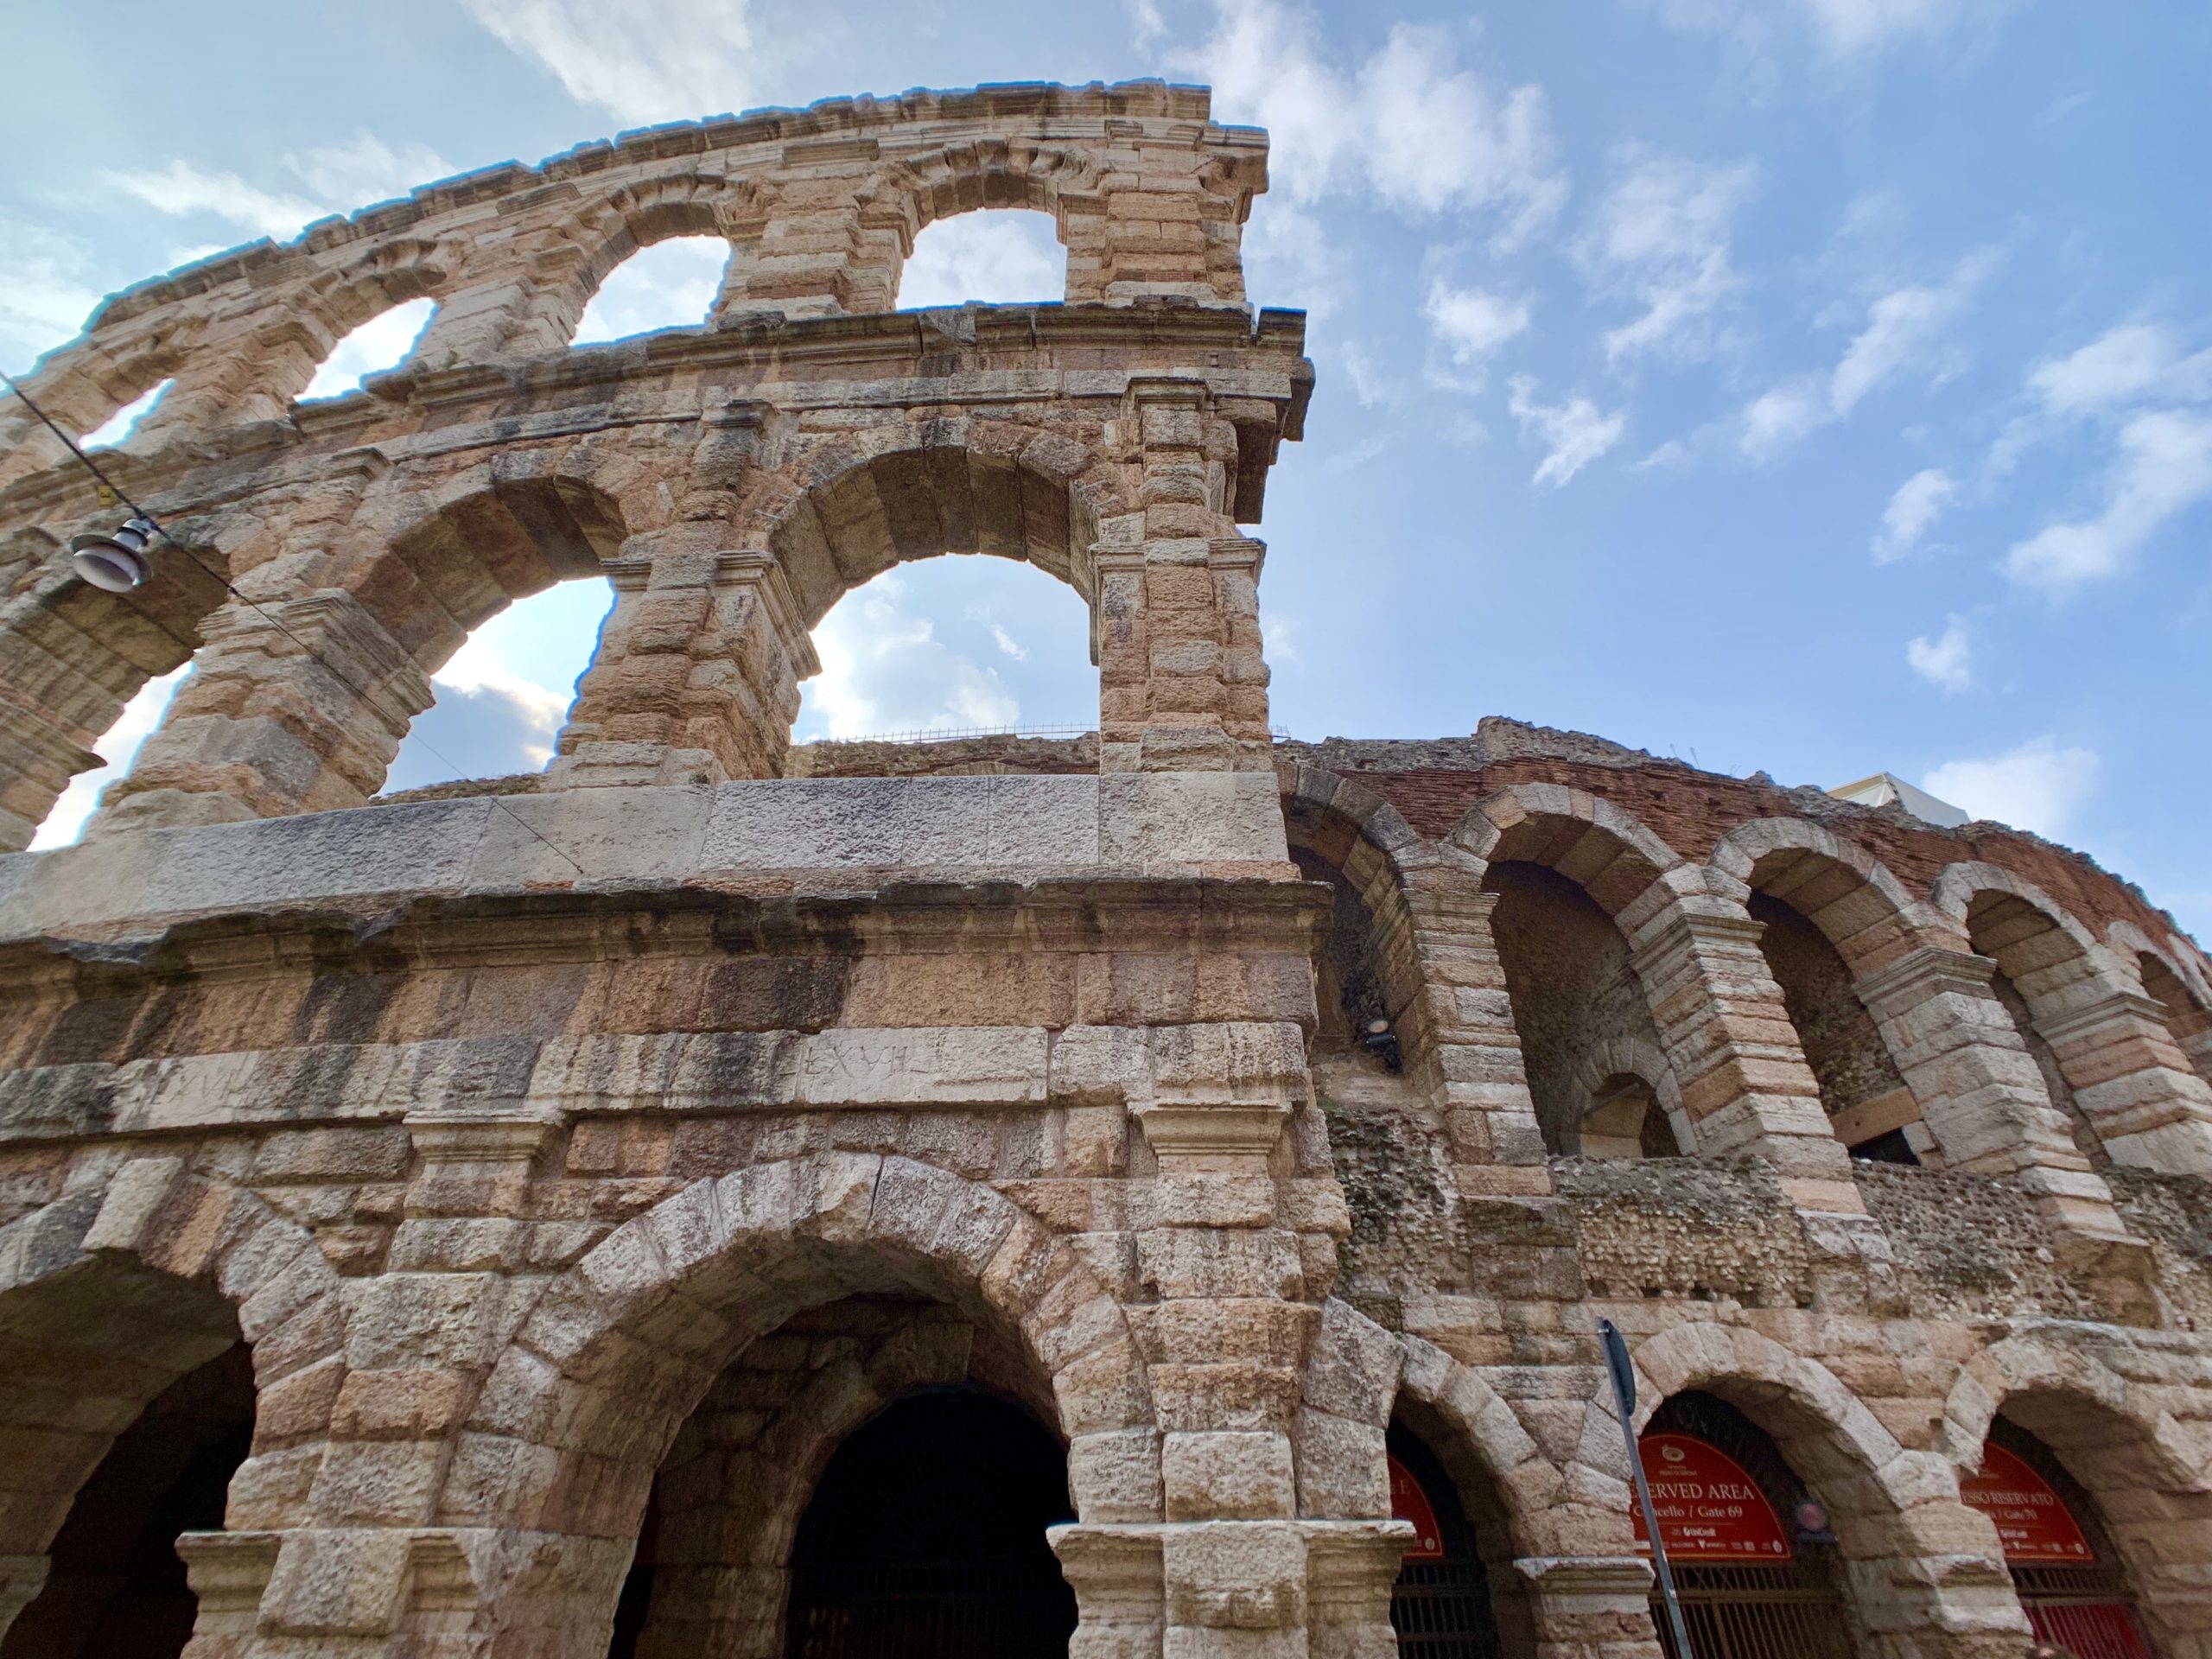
(1147, 1196)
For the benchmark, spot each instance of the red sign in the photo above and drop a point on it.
(1709, 1509)
(2033, 1523)
(1409, 1503)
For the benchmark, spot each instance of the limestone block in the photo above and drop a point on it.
(1188, 818)
(938, 1067)
(1227, 1475)
(1245, 1575)
(590, 837)
(840, 823)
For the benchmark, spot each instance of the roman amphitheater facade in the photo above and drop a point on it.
(650, 1207)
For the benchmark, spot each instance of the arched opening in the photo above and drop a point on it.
(671, 285)
(116, 431)
(952, 647)
(925, 1537)
(1755, 1566)
(1868, 1105)
(117, 748)
(1574, 997)
(499, 701)
(2188, 1021)
(1447, 1600)
(381, 343)
(115, 1583)
(2070, 1580)
(1003, 257)
(2036, 961)
(870, 1479)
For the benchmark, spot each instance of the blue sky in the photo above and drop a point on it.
(1818, 386)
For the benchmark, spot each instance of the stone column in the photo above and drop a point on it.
(1350, 1568)
(1182, 679)
(2150, 1107)
(1458, 1039)
(1120, 1597)
(1583, 1604)
(271, 722)
(821, 254)
(235, 380)
(37, 760)
(1746, 1088)
(1978, 1090)
(696, 676)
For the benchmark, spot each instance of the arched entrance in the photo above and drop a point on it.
(2062, 1564)
(1754, 1563)
(115, 1585)
(925, 1538)
(1441, 1607)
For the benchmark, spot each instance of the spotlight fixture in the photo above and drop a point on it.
(115, 563)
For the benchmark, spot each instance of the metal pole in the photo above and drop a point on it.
(1624, 1381)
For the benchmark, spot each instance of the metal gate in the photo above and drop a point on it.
(938, 1610)
(2085, 1610)
(1441, 1610)
(1757, 1613)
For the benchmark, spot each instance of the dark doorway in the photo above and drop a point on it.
(925, 1539)
(117, 1586)
(1441, 1607)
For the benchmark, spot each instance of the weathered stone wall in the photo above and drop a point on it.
(559, 1150)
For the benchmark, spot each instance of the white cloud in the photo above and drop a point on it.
(184, 187)
(1918, 503)
(998, 259)
(1904, 327)
(1007, 642)
(49, 289)
(2124, 364)
(381, 343)
(884, 668)
(1472, 324)
(2038, 786)
(641, 60)
(118, 747)
(1408, 124)
(671, 284)
(1947, 660)
(1660, 238)
(1575, 433)
(338, 178)
(2163, 467)
(1371, 385)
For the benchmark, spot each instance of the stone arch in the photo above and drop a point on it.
(584, 1403)
(1365, 839)
(993, 172)
(107, 1295)
(2175, 980)
(1608, 852)
(1630, 1056)
(2148, 1473)
(961, 484)
(1838, 885)
(626, 221)
(1542, 1506)
(1836, 927)
(81, 385)
(1893, 1510)
(75, 655)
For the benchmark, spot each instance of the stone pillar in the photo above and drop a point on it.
(2150, 1107)
(1120, 1597)
(1583, 1604)
(1460, 1045)
(696, 676)
(229, 1573)
(1182, 679)
(1350, 1569)
(270, 722)
(22, 1577)
(235, 381)
(818, 256)
(1746, 1088)
(1977, 1088)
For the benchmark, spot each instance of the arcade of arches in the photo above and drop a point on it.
(1142, 1195)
